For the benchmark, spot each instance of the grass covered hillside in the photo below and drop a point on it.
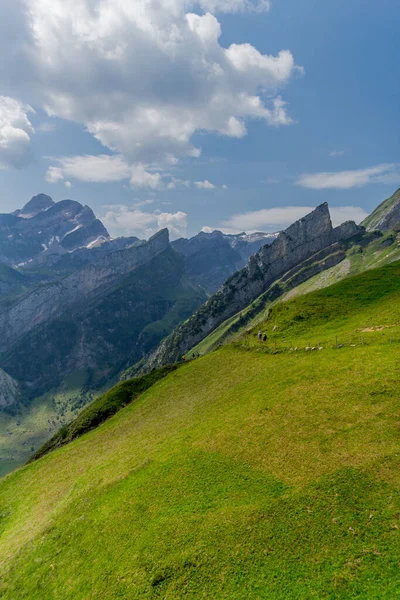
(380, 250)
(245, 474)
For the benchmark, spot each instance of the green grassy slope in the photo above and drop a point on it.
(244, 474)
(124, 324)
(364, 309)
(379, 252)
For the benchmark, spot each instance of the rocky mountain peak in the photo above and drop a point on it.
(36, 205)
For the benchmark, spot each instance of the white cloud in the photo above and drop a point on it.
(122, 220)
(100, 169)
(204, 185)
(15, 133)
(68, 184)
(86, 61)
(345, 180)
(275, 219)
(142, 178)
(336, 153)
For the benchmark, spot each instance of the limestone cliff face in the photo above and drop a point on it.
(386, 216)
(47, 302)
(299, 242)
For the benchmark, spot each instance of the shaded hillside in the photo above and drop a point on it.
(106, 333)
(243, 474)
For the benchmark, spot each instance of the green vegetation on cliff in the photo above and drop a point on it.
(244, 474)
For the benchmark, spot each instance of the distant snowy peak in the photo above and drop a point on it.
(43, 227)
(36, 205)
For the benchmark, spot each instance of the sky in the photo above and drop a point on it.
(239, 115)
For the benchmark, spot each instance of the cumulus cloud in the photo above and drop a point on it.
(144, 76)
(122, 220)
(99, 169)
(345, 180)
(145, 179)
(110, 169)
(15, 133)
(276, 219)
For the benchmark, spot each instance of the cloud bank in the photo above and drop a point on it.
(143, 77)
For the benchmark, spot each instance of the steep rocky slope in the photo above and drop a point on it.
(9, 390)
(107, 329)
(386, 216)
(47, 302)
(298, 243)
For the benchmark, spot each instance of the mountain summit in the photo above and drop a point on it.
(43, 227)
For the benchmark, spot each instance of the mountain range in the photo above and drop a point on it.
(89, 305)
(97, 309)
(263, 465)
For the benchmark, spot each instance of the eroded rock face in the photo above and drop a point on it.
(299, 242)
(9, 390)
(49, 301)
(386, 216)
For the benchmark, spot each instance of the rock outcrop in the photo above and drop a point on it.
(386, 216)
(299, 242)
(9, 390)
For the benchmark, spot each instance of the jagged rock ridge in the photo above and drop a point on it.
(299, 242)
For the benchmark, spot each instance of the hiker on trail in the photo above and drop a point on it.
(260, 336)
(264, 337)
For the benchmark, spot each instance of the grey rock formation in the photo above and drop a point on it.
(47, 302)
(9, 390)
(299, 242)
(386, 216)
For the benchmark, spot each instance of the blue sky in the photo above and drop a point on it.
(325, 127)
